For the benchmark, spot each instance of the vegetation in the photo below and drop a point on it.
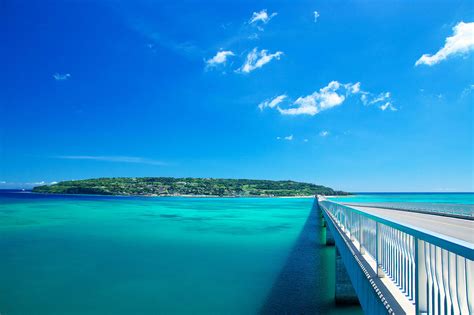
(169, 186)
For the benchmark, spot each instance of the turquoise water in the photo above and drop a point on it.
(116, 255)
(451, 198)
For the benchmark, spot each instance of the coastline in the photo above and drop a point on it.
(171, 196)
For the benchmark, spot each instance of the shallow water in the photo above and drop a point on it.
(116, 255)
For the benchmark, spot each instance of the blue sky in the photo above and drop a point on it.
(355, 95)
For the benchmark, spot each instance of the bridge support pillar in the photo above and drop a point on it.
(329, 237)
(345, 293)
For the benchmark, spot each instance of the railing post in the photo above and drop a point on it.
(421, 298)
(378, 251)
(361, 237)
(351, 230)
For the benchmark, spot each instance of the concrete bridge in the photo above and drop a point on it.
(401, 261)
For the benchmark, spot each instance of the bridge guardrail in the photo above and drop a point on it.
(435, 273)
(451, 210)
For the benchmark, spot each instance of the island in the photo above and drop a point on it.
(170, 186)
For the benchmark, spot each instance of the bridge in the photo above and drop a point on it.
(401, 261)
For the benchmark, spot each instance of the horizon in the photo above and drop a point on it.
(351, 192)
(30, 188)
(358, 97)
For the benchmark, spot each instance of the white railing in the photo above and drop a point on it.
(453, 210)
(434, 274)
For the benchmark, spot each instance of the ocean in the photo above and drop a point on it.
(454, 204)
(132, 255)
(438, 198)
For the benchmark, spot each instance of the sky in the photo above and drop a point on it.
(355, 95)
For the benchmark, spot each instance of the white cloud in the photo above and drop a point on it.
(288, 138)
(354, 88)
(369, 99)
(219, 58)
(461, 42)
(61, 77)
(261, 17)
(327, 97)
(271, 103)
(332, 95)
(23, 185)
(305, 140)
(467, 90)
(387, 105)
(316, 15)
(257, 59)
(123, 159)
(40, 183)
(324, 133)
(382, 100)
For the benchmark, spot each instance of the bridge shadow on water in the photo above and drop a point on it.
(305, 285)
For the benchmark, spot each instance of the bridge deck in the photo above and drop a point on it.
(460, 229)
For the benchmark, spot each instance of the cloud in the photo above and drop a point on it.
(330, 96)
(354, 88)
(122, 159)
(61, 77)
(324, 133)
(305, 140)
(461, 42)
(257, 59)
(327, 97)
(467, 90)
(382, 100)
(219, 58)
(388, 105)
(272, 103)
(288, 138)
(368, 99)
(24, 185)
(316, 15)
(261, 17)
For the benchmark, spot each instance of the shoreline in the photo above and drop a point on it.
(171, 196)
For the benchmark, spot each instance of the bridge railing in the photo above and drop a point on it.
(434, 273)
(451, 210)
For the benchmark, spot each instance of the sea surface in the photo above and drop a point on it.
(441, 198)
(454, 204)
(130, 255)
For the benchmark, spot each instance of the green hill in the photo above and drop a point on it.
(169, 186)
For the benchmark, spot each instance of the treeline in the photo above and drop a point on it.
(169, 186)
